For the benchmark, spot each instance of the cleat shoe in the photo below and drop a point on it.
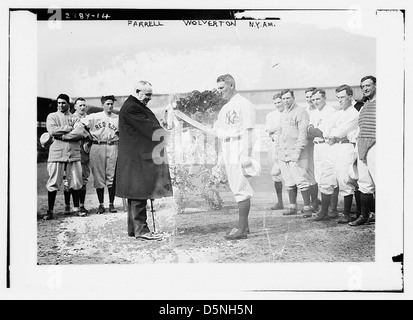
(112, 208)
(358, 222)
(333, 214)
(278, 206)
(236, 234)
(319, 217)
(314, 208)
(49, 215)
(346, 218)
(83, 210)
(101, 209)
(307, 213)
(290, 212)
(67, 210)
(79, 213)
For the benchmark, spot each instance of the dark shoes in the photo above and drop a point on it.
(319, 217)
(49, 215)
(344, 219)
(307, 212)
(278, 206)
(101, 209)
(83, 210)
(315, 208)
(333, 214)
(358, 222)
(67, 210)
(150, 236)
(236, 234)
(112, 208)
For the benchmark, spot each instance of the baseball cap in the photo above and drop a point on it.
(253, 169)
(46, 139)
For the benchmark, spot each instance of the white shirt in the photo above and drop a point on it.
(235, 117)
(320, 119)
(343, 122)
(311, 113)
(272, 121)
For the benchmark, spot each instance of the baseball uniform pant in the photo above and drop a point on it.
(85, 166)
(73, 175)
(324, 168)
(344, 158)
(310, 170)
(239, 185)
(367, 172)
(85, 173)
(103, 162)
(295, 174)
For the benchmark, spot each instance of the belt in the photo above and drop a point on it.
(109, 143)
(318, 141)
(232, 138)
(342, 140)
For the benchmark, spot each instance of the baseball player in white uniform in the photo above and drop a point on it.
(344, 122)
(103, 128)
(235, 127)
(272, 125)
(323, 156)
(80, 112)
(311, 110)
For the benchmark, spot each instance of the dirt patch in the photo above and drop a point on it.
(197, 236)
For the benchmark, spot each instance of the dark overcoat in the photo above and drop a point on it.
(142, 171)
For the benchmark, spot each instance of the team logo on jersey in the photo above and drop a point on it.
(102, 124)
(232, 117)
(293, 122)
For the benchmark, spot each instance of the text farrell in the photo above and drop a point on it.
(144, 24)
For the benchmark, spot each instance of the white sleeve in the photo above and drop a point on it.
(87, 120)
(248, 116)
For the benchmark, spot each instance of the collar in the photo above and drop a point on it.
(292, 107)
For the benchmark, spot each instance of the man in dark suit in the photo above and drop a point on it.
(142, 170)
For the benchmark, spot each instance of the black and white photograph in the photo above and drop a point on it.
(226, 152)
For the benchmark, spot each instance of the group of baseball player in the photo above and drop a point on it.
(79, 144)
(326, 150)
(317, 150)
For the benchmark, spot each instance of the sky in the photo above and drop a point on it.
(304, 48)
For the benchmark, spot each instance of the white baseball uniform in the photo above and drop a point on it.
(343, 124)
(84, 156)
(310, 147)
(104, 151)
(323, 157)
(272, 125)
(233, 119)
